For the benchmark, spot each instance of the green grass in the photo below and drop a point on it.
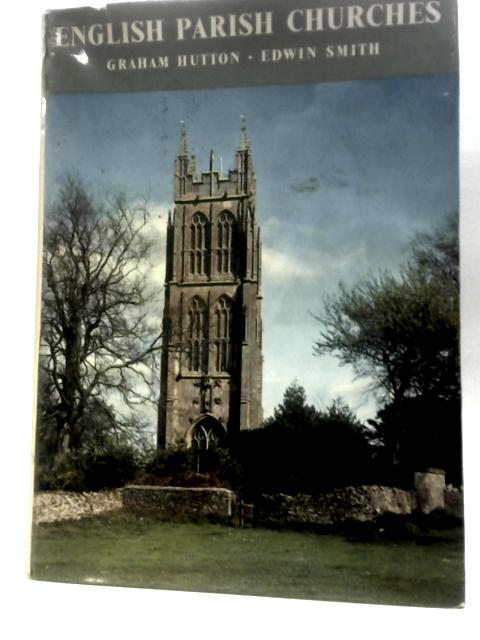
(129, 551)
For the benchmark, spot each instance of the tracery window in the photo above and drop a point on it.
(207, 434)
(197, 336)
(199, 245)
(223, 333)
(225, 242)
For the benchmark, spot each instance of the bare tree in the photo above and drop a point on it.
(99, 347)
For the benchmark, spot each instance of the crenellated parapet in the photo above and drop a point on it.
(211, 184)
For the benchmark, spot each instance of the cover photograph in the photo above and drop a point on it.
(249, 339)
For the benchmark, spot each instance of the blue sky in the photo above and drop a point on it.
(346, 174)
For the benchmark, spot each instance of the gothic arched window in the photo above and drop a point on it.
(197, 336)
(207, 434)
(223, 333)
(199, 245)
(225, 242)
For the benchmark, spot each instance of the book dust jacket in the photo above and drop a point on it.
(249, 377)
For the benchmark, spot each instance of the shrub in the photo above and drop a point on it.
(177, 466)
(88, 470)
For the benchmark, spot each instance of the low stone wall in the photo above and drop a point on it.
(177, 503)
(362, 504)
(54, 506)
(181, 503)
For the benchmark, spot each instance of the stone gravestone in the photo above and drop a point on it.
(430, 487)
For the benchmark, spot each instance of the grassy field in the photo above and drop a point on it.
(127, 551)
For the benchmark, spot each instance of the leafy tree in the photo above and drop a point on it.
(302, 449)
(98, 347)
(294, 412)
(403, 331)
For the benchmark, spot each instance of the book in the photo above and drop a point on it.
(250, 295)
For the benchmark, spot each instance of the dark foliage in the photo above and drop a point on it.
(89, 470)
(403, 333)
(177, 466)
(421, 433)
(303, 450)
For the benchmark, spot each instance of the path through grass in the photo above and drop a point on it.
(124, 550)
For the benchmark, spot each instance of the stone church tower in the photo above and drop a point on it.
(211, 373)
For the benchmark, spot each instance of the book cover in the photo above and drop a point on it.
(249, 372)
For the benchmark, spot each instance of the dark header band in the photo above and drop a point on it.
(221, 43)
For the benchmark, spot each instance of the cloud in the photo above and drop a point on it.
(157, 274)
(155, 231)
(327, 178)
(278, 265)
(334, 178)
(157, 223)
(338, 263)
(278, 377)
(310, 185)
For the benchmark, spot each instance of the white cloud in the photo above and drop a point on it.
(157, 223)
(278, 265)
(358, 394)
(345, 259)
(157, 274)
(156, 231)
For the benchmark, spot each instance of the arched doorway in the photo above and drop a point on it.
(205, 434)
